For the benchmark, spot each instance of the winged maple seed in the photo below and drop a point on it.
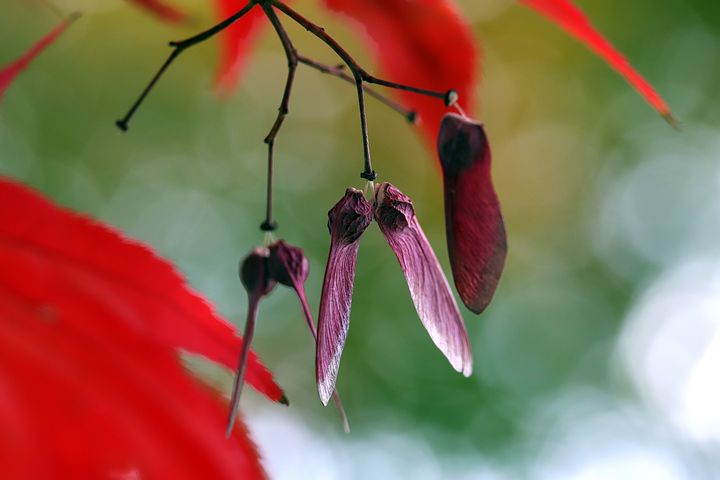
(429, 289)
(473, 221)
(347, 221)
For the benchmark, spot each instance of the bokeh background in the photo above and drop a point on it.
(600, 356)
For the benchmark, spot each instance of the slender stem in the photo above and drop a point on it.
(337, 71)
(449, 96)
(178, 48)
(300, 290)
(357, 71)
(242, 365)
(292, 60)
(122, 124)
(368, 173)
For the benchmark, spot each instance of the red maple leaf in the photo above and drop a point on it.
(161, 9)
(575, 22)
(9, 72)
(91, 383)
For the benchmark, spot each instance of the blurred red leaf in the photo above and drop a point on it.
(235, 42)
(161, 9)
(9, 72)
(424, 43)
(91, 385)
(575, 22)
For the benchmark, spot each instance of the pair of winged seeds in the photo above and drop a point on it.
(476, 242)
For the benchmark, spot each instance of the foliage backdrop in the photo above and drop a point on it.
(600, 353)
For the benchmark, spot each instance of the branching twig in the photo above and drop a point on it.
(292, 60)
(178, 48)
(338, 71)
(359, 77)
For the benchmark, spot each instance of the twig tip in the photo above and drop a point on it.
(122, 125)
(671, 120)
(451, 97)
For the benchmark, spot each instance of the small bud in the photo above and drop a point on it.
(288, 264)
(429, 289)
(475, 230)
(254, 273)
(347, 221)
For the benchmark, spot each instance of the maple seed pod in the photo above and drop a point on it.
(429, 289)
(255, 277)
(475, 230)
(347, 221)
(288, 264)
(255, 274)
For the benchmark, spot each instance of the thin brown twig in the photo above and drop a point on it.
(292, 60)
(178, 48)
(338, 71)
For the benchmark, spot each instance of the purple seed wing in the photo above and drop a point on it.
(289, 266)
(428, 286)
(475, 230)
(347, 220)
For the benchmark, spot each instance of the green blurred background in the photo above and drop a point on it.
(600, 356)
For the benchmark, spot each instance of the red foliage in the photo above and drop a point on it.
(574, 21)
(161, 9)
(235, 42)
(91, 385)
(9, 72)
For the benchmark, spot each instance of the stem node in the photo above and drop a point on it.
(369, 176)
(268, 226)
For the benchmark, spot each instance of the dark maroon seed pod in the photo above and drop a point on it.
(288, 264)
(254, 273)
(475, 230)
